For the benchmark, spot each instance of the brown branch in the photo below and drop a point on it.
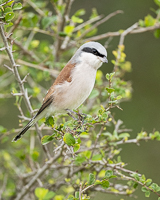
(100, 22)
(61, 24)
(39, 173)
(53, 72)
(5, 3)
(18, 78)
(113, 34)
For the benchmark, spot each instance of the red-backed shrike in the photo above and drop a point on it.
(74, 83)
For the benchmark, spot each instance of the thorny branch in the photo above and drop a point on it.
(113, 34)
(20, 82)
(39, 173)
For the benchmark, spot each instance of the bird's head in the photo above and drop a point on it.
(92, 53)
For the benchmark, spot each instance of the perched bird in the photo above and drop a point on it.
(74, 83)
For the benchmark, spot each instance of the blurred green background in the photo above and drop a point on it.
(142, 112)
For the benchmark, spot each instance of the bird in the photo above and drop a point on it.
(73, 85)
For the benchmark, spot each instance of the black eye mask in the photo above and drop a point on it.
(93, 51)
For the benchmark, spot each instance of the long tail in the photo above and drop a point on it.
(30, 123)
(41, 113)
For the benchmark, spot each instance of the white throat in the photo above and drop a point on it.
(90, 59)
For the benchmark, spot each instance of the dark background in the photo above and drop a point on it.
(142, 112)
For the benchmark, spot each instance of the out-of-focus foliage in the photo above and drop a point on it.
(82, 155)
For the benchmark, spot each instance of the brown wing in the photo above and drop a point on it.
(65, 75)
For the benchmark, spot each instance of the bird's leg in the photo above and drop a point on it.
(70, 112)
(81, 118)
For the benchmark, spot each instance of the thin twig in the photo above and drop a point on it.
(113, 34)
(53, 72)
(5, 3)
(61, 24)
(90, 21)
(20, 83)
(100, 22)
(39, 11)
(121, 41)
(39, 173)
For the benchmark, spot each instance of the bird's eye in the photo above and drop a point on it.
(94, 51)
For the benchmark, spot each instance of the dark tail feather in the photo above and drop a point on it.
(30, 123)
(39, 114)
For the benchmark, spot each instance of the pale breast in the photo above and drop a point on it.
(70, 95)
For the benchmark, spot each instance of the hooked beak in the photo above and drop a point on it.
(103, 59)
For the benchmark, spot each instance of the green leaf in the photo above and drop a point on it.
(91, 179)
(110, 90)
(46, 139)
(35, 155)
(80, 159)
(7, 10)
(49, 121)
(76, 147)
(62, 34)
(1, 14)
(68, 29)
(135, 176)
(2, 129)
(80, 12)
(41, 192)
(108, 173)
(69, 139)
(157, 2)
(8, 25)
(9, 16)
(17, 6)
(110, 76)
(123, 135)
(155, 187)
(147, 194)
(49, 195)
(149, 21)
(157, 33)
(46, 21)
(105, 184)
(8, 4)
(97, 157)
(76, 19)
(148, 182)
(77, 195)
(141, 23)
(144, 189)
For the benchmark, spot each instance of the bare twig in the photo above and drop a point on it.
(5, 3)
(39, 173)
(121, 41)
(61, 24)
(113, 34)
(100, 22)
(53, 72)
(39, 11)
(4, 185)
(26, 51)
(90, 21)
(20, 83)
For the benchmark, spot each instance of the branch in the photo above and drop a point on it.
(113, 34)
(53, 72)
(5, 3)
(90, 21)
(39, 11)
(61, 24)
(20, 82)
(100, 22)
(39, 173)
